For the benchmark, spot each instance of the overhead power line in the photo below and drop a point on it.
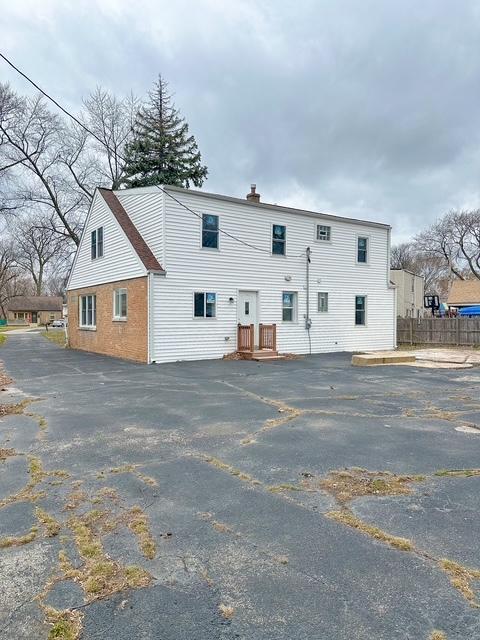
(117, 155)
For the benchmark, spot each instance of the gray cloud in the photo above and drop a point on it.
(359, 108)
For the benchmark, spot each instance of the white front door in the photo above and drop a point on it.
(247, 309)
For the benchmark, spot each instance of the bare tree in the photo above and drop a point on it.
(8, 275)
(37, 245)
(402, 256)
(455, 241)
(432, 267)
(111, 120)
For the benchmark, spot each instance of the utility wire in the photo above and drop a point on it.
(115, 153)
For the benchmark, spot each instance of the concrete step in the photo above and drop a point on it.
(366, 359)
(259, 354)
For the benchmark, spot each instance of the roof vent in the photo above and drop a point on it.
(253, 196)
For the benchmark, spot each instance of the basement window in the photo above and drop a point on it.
(88, 311)
(204, 304)
(96, 243)
(120, 304)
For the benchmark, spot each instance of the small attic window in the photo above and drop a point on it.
(96, 243)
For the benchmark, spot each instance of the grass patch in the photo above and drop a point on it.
(223, 466)
(345, 485)
(3, 339)
(226, 611)
(461, 578)
(58, 337)
(66, 625)
(284, 487)
(13, 409)
(52, 527)
(457, 473)
(437, 635)
(18, 541)
(137, 522)
(350, 520)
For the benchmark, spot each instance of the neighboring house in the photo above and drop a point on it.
(154, 282)
(410, 291)
(464, 293)
(34, 310)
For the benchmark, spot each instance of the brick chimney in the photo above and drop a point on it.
(253, 196)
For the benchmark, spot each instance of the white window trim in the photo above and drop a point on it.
(318, 302)
(217, 248)
(357, 295)
(278, 255)
(204, 317)
(118, 318)
(87, 327)
(316, 239)
(294, 319)
(362, 235)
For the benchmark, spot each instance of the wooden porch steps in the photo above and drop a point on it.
(260, 355)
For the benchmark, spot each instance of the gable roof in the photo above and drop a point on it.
(258, 205)
(464, 292)
(36, 303)
(136, 240)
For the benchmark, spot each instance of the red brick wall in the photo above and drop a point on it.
(124, 339)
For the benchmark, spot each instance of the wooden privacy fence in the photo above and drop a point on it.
(440, 331)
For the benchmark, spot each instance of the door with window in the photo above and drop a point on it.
(247, 311)
(34, 317)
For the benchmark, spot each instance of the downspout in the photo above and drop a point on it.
(149, 315)
(308, 321)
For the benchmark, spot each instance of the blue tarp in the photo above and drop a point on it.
(470, 311)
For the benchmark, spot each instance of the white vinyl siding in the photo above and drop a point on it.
(119, 262)
(178, 335)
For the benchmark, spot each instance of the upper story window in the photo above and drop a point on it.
(323, 301)
(88, 311)
(279, 239)
(209, 231)
(324, 233)
(362, 250)
(120, 304)
(360, 310)
(289, 306)
(96, 243)
(204, 304)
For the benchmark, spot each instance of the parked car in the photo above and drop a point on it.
(58, 324)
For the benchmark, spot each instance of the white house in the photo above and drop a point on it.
(164, 274)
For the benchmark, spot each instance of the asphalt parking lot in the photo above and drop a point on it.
(228, 499)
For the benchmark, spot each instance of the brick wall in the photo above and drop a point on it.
(124, 339)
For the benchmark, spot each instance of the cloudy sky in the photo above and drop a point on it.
(367, 108)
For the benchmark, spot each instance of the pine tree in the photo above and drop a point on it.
(162, 151)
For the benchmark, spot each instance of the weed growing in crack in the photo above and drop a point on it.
(347, 518)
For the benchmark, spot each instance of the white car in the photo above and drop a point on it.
(58, 324)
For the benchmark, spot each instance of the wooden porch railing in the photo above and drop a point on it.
(246, 337)
(267, 336)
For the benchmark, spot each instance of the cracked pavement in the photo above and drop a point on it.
(214, 456)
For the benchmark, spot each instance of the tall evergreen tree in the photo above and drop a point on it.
(162, 151)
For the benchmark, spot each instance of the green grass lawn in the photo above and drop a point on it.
(2, 339)
(55, 336)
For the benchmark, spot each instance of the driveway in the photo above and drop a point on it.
(229, 499)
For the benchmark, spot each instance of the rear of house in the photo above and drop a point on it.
(168, 274)
(410, 289)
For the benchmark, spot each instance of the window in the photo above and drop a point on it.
(120, 304)
(323, 302)
(97, 243)
(289, 304)
(362, 250)
(209, 231)
(204, 305)
(88, 311)
(279, 239)
(360, 308)
(323, 233)
(52, 317)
